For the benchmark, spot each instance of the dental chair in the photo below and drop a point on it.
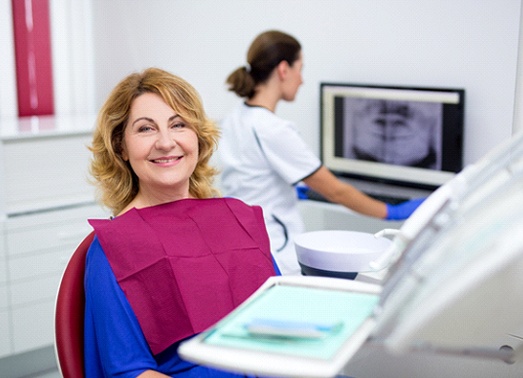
(69, 314)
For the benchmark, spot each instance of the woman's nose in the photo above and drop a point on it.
(165, 141)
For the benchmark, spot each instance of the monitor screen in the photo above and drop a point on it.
(403, 135)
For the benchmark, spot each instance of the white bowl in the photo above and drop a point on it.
(339, 251)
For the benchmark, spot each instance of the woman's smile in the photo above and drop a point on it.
(169, 160)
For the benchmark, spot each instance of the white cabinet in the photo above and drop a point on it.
(38, 247)
(44, 164)
(45, 201)
(5, 331)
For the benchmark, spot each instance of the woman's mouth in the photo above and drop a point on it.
(166, 160)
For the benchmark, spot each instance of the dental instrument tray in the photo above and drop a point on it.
(291, 326)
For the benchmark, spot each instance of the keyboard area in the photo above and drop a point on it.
(387, 198)
(310, 194)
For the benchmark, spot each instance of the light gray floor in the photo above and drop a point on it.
(40, 363)
(47, 374)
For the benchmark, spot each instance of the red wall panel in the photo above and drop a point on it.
(32, 34)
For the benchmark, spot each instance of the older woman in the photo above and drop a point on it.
(174, 259)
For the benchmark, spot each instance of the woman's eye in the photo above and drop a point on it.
(178, 125)
(145, 128)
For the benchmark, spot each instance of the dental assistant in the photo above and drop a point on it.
(262, 156)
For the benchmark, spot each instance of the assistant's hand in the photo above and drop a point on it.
(301, 192)
(402, 210)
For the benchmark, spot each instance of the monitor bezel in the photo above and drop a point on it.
(391, 174)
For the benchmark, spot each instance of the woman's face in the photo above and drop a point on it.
(160, 146)
(294, 80)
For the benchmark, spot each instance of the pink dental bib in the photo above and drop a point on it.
(186, 264)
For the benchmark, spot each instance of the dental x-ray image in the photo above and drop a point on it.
(395, 132)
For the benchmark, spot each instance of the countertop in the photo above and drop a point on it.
(35, 127)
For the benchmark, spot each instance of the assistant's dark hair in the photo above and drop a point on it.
(266, 51)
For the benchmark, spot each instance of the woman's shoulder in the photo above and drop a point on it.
(95, 258)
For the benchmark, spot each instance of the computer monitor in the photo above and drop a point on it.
(409, 136)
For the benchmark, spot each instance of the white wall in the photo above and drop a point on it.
(451, 43)
(518, 98)
(8, 100)
(73, 65)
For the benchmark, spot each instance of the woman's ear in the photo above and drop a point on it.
(282, 68)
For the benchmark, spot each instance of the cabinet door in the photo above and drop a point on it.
(38, 248)
(5, 330)
(42, 173)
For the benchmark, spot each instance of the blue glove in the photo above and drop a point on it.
(301, 192)
(402, 210)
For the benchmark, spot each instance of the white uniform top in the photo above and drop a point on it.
(262, 156)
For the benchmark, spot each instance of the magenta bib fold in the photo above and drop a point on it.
(186, 264)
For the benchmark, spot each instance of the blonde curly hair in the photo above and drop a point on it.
(116, 182)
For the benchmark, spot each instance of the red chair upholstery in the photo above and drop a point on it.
(69, 314)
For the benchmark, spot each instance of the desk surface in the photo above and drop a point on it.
(380, 188)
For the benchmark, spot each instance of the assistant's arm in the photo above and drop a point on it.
(328, 185)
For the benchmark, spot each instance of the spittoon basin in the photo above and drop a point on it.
(339, 251)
